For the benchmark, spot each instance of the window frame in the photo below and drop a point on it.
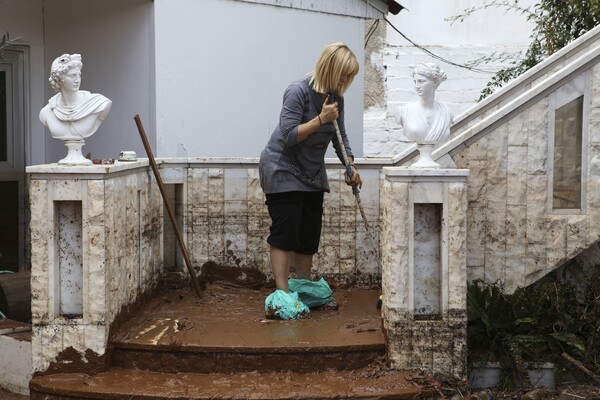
(9, 163)
(566, 93)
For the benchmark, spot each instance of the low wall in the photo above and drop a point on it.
(226, 220)
(15, 375)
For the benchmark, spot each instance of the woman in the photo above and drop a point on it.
(292, 165)
(425, 121)
(72, 114)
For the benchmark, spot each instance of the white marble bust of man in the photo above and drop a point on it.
(72, 114)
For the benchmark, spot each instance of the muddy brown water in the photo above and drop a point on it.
(164, 347)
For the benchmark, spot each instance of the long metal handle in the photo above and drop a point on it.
(355, 189)
(344, 154)
(182, 246)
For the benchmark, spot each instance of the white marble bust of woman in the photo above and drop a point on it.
(425, 121)
(72, 114)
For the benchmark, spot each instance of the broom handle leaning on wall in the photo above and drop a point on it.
(182, 246)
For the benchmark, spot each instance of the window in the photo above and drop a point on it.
(567, 146)
(568, 123)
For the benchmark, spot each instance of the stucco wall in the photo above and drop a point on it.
(219, 85)
(115, 39)
(222, 97)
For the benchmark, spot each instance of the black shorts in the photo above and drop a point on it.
(296, 220)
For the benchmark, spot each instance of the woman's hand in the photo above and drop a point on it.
(329, 112)
(355, 181)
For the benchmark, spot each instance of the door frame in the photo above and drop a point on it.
(16, 62)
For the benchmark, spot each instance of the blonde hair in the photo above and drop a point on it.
(335, 62)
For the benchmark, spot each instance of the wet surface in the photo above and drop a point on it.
(234, 318)
(222, 346)
(128, 384)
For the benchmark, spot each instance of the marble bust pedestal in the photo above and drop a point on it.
(74, 155)
(425, 160)
(424, 269)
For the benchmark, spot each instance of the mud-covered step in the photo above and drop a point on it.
(374, 382)
(239, 360)
(226, 331)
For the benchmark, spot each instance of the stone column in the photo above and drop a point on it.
(424, 271)
(95, 246)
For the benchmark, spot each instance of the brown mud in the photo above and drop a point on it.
(222, 346)
(176, 345)
(234, 318)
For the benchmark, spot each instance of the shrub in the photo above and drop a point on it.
(536, 323)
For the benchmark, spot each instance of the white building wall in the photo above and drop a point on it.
(15, 374)
(243, 55)
(219, 85)
(459, 43)
(114, 38)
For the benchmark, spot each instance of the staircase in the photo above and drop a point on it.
(222, 347)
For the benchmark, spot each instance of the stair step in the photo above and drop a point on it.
(224, 362)
(368, 383)
(226, 331)
(221, 347)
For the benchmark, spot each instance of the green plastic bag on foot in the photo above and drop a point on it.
(282, 305)
(311, 293)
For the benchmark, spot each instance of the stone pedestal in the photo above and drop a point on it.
(74, 155)
(95, 247)
(424, 271)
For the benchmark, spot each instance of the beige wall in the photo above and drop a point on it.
(513, 235)
(228, 223)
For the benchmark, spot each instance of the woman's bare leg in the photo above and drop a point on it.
(280, 262)
(303, 264)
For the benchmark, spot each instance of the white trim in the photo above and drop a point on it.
(523, 82)
(542, 88)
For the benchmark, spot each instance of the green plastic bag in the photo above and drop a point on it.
(311, 293)
(282, 305)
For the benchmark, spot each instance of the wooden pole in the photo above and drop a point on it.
(581, 367)
(182, 246)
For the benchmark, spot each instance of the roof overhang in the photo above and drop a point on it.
(368, 9)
